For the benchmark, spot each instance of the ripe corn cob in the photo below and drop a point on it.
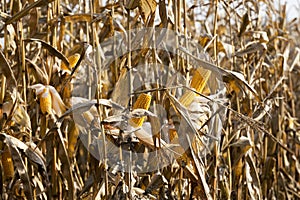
(46, 101)
(72, 139)
(143, 101)
(7, 163)
(73, 59)
(199, 81)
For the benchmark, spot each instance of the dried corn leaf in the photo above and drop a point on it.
(41, 75)
(6, 70)
(52, 50)
(132, 4)
(221, 73)
(121, 92)
(252, 47)
(63, 156)
(18, 163)
(81, 105)
(157, 181)
(78, 18)
(18, 113)
(147, 8)
(252, 178)
(163, 14)
(26, 10)
(245, 23)
(33, 154)
(66, 165)
(200, 170)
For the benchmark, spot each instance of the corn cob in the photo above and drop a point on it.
(143, 101)
(46, 101)
(72, 139)
(73, 59)
(198, 83)
(7, 163)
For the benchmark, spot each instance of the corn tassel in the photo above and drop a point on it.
(7, 163)
(46, 101)
(143, 101)
(198, 83)
(73, 59)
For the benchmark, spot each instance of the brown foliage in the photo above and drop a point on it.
(73, 78)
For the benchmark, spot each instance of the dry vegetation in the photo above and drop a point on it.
(73, 128)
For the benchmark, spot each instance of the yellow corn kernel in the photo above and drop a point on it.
(7, 163)
(187, 98)
(198, 83)
(200, 79)
(46, 101)
(143, 101)
(73, 59)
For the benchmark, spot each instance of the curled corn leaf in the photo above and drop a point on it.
(143, 101)
(19, 115)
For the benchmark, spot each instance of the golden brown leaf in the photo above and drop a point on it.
(147, 8)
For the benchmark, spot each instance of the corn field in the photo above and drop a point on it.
(149, 99)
